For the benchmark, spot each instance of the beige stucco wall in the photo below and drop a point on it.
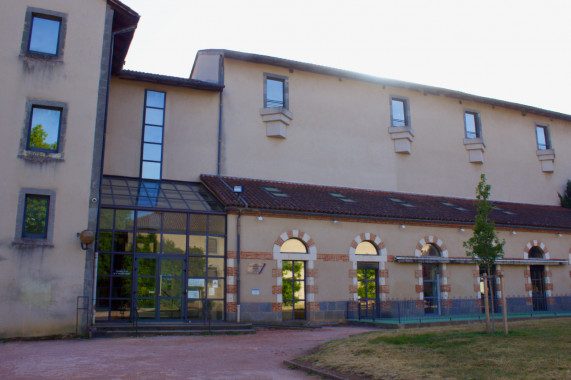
(333, 281)
(39, 286)
(339, 136)
(190, 131)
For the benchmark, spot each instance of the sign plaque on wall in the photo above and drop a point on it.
(256, 268)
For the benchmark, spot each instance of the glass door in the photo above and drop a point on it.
(431, 283)
(293, 290)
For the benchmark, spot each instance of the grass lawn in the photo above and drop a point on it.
(533, 349)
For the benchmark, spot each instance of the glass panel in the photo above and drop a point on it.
(196, 288)
(123, 241)
(172, 267)
(152, 152)
(216, 288)
(103, 287)
(146, 287)
(196, 245)
(362, 289)
(153, 134)
(44, 129)
(148, 243)
(124, 219)
(147, 267)
(175, 244)
(196, 266)
(105, 239)
(121, 287)
(470, 120)
(171, 308)
(299, 310)
(149, 221)
(366, 248)
(287, 290)
(216, 310)
(146, 308)
(274, 93)
(106, 219)
(299, 290)
(197, 224)
(287, 272)
(287, 310)
(216, 246)
(430, 250)
(171, 286)
(217, 225)
(154, 116)
(151, 170)
(120, 310)
(36, 216)
(293, 246)
(101, 310)
(299, 272)
(195, 310)
(174, 222)
(398, 113)
(122, 265)
(215, 267)
(44, 35)
(371, 289)
(155, 99)
(541, 140)
(104, 263)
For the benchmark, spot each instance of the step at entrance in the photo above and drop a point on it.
(110, 330)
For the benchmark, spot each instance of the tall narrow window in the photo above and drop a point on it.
(152, 149)
(44, 131)
(44, 35)
(275, 91)
(431, 280)
(293, 290)
(399, 112)
(36, 211)
(543, 141)
(472, 125)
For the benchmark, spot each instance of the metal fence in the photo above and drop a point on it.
(411, 311)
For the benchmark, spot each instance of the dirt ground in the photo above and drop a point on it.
(257, 356)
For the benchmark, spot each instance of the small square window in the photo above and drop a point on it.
(399, 112)
(275, 91)
(472, 125)
(44, 34)
(36, 211)
(543, 140)
(44, 131)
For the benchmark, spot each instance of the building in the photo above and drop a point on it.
(260, 189)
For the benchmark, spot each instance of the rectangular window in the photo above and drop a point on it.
(543, 140)
(153, 132)
(472, 125)
(399, 112)
(44, 130)
(44, 33)
(275, 91)
(36, 211)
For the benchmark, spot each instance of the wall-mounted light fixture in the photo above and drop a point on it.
(86, 237)
(461, 229)
(402, 226)
(238, 189)
(260, 218)
(335, 221)
(559, 234)
(514, 233)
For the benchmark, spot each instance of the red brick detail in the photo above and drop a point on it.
(550, 301)
(232, 289)
(384, 289)
(381, 246)
(549, 286)
(276, 289)
(313, 273)
(418, 288)
(478, 302)
(385, 305)
(528, 287)
(276, 307)
(354, 244)
(570, 273)
(312, 289)
(276, 272)
(418, 273)
(384, 273)
(548, 273)
(231, 307)
(477, 288)
(446, 303)
(332, 257)
(444, 273)
(445, 288)
(419, 304)
(352, 273)
(528, 301)
(279, 241)
(313, 306)
(353, 306)
(526, 273)
(362, 236)
(290, 234)
(230, 271)
(352, 288)
(390, 258)
(427, 239)
(256, 255)
(475, 273)
(310, 242)
(231, 254)
(418, 246)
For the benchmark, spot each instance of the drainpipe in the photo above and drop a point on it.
(238, 227)
(219, 158)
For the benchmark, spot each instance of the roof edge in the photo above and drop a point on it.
(169, 80)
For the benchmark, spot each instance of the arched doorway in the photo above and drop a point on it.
(537, 275)
(431, 280)
(293, 282)
(367, 279)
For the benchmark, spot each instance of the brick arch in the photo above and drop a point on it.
(445, 287)
(535, 243)
(431, 240)
(371, 238)
(294, 234)
(381, 258)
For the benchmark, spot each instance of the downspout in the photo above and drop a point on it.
(220, 114)
(106, 113)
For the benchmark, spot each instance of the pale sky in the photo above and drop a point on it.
(519, 51)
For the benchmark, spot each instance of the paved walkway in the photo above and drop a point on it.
(257, 356)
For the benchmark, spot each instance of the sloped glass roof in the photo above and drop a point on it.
(165, 195)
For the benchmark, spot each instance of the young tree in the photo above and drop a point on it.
(565, 198)
(484, 247)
